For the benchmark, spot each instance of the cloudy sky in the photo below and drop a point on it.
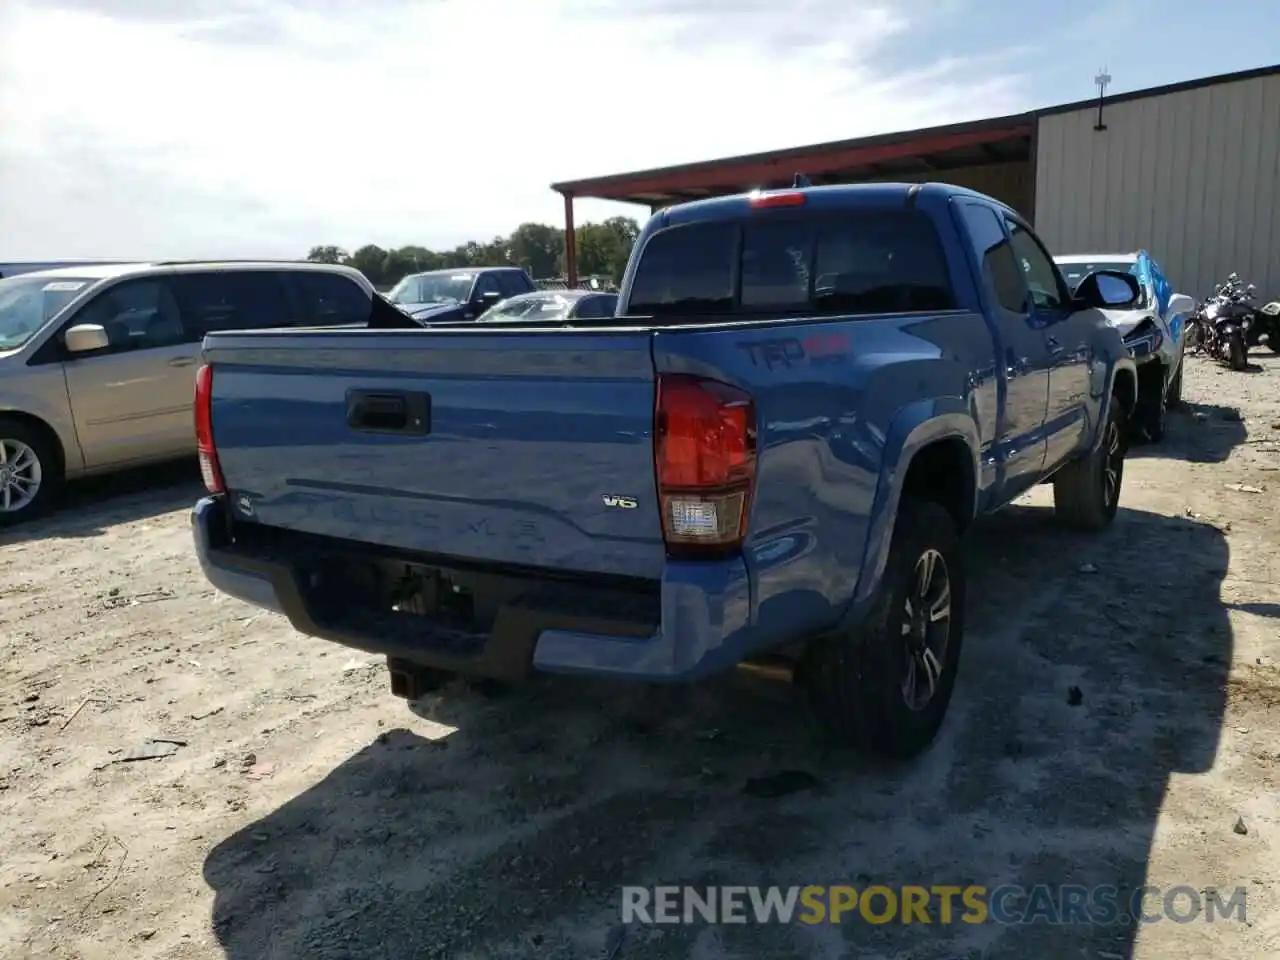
(179, 128)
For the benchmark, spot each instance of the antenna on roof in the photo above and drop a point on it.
(801, 181)
(1101, 81)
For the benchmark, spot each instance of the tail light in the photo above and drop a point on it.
(705, 462)
(761, 200)
(210, 469)
(1146, 330)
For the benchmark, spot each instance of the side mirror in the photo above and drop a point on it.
(1181, 305)
(1108, 290)
(85, 338)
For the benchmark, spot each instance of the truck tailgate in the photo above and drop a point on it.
(518, 447)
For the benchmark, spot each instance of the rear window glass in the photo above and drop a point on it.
(860, 262)
(687, 269)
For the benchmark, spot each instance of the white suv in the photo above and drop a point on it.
(97, 362)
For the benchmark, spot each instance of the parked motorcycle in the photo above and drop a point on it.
(1223, 323)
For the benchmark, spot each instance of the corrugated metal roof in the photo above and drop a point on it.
(864, 157)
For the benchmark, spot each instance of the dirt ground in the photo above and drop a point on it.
(307, 813)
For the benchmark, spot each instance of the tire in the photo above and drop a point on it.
(1152, 414)
(1237, 351)
(1086, 492)
(857, 679)
(30, 472)
(1173, 397)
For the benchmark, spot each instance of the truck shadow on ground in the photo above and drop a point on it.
(91, 506)
(512, 836)
(1197, 433)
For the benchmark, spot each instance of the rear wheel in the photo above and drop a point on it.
(1086, 492)
(884, 686)
(1152, 413)
(1237, 351)
(1174, 396)
(30, 472)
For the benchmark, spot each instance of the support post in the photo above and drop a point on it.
(570, 243)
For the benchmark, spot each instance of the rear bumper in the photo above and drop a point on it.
(699, 623)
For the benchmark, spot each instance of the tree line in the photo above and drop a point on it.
(603, 249)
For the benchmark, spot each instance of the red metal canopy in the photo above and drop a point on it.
(913, 152)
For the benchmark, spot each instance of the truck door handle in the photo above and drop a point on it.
(389, 411)
(182, 361)
(1054, 345)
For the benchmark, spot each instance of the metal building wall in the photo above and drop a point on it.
(1008, 182)
(1190, 176)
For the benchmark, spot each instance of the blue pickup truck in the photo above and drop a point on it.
(770, 453)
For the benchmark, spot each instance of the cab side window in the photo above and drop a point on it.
(1000, 271)
(488, 283)
(1042, 276)
(137, 315)
(328, 298)
(513, 284)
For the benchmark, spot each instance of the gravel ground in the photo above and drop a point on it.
(307, 813)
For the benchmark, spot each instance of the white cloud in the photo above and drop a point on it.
(261, 127)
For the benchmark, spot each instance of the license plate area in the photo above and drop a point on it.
(431, 593)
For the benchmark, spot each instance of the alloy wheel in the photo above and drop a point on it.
(20, 475)
(926, 629)
(1112, 463)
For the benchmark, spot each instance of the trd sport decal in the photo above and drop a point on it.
(792, 351)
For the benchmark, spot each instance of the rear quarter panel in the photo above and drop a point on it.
(841, 406)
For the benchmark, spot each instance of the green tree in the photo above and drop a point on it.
(395, 265)
(370, 260)
(495, 253)
(419, 259)
(327, 255)
(536, 247)
(603, 248)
